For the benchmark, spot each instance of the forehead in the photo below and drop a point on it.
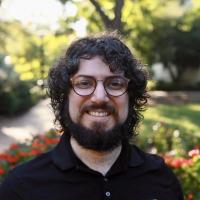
(95, 67)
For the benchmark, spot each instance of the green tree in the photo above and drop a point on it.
(174, 41)
(31, 54)
(14, 94)
(120, 15)
(38, 55)
(156, 34)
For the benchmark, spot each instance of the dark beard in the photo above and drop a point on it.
(98, 139)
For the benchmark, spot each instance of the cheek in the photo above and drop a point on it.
(124, 108)
(73, 106)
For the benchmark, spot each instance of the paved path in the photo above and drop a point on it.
(35, 121)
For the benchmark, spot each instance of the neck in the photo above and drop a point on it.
(98, 161)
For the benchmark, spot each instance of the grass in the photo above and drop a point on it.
(182, 117)
(186, 117)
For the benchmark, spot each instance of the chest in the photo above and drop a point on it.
(101, 188)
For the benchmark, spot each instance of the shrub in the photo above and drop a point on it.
(14, 98)
(16, 95)
(167, 138)
(20, 153)
(187, 170)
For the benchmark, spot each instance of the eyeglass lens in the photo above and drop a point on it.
(114, 85)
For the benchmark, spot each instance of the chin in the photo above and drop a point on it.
(98, 127)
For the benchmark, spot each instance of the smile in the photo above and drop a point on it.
(98, 114)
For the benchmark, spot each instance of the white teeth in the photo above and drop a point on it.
(98, 114)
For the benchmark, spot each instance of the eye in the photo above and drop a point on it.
(83, 83)
(115, 83)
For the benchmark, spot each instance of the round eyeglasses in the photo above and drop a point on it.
(86, 85)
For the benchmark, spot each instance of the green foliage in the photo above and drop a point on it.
(3, 34)
(173, 131)
(152, 85)
(15, 99)
(20, 153)
(31, 55)
(178, 34)
(148, 26)
(33, 63)
(165, 138)
(170, 128)
(15, 94)
(103, 15)
(187, 169)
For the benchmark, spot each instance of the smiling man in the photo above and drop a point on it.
(97, 91)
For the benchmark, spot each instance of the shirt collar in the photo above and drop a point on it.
(146, 161)
(131, 156)
(62, 154)
(135, 158)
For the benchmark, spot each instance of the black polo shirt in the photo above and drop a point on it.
(59, 175)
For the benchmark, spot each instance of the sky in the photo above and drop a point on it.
(40, 12)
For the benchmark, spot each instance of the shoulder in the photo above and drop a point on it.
(154, 169)
(37, 165)
(24, 173)
(146, 160)
(152, 164)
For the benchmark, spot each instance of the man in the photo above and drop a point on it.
(97, 92)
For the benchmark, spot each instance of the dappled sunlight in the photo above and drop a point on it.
(19, 134)
(182, 116)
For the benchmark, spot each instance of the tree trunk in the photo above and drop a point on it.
(111, 24)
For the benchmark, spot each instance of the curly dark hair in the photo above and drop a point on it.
(117, 56)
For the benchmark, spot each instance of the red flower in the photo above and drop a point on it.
(190, 197)
(177, 162)
(23, 154)
(36, 143)
(2, 171)
(194, 152)
(34, 152)
(49, 141)
(12, 158)
(8, 157)
(14, 146)
(3, 156)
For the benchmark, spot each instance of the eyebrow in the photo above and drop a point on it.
(104, 77)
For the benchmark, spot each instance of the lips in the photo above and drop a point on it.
(103, 110)
(98, 113)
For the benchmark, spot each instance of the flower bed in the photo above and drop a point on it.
(188, 171)
(186, 168)
(19, 153)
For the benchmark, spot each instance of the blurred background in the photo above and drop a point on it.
(164, 35)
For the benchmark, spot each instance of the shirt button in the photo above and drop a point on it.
(105, 179)
(108, 194)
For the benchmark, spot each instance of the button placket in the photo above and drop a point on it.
(107, 192)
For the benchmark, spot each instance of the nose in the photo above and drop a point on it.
(99, 95)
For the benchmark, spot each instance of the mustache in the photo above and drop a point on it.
(104, 106)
